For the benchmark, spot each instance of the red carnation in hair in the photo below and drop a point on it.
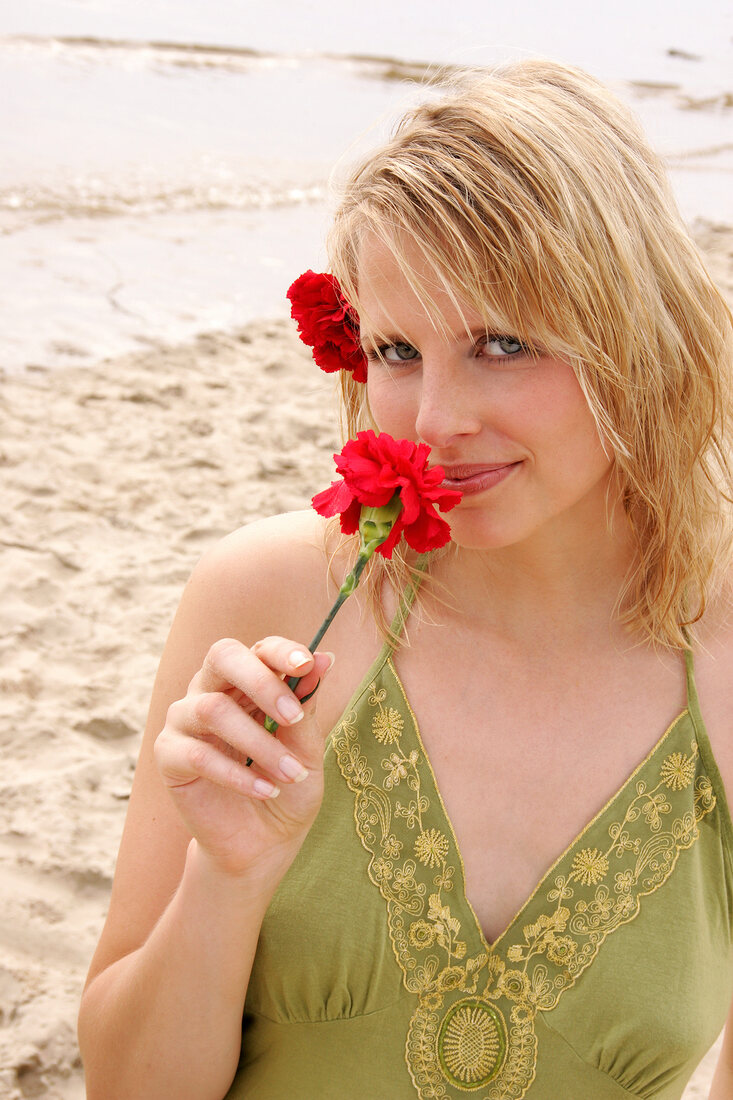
(376, 467)
(327, 323)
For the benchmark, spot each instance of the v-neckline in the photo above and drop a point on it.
(385, 660)
(415, 863)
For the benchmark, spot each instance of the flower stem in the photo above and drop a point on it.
(348, 586)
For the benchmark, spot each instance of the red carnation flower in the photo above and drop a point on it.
(376, 467)
(386, 491)
(327, 323)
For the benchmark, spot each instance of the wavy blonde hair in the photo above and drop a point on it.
(534, 196)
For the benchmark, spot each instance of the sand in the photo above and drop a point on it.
(116, 477)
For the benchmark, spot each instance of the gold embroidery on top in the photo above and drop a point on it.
(472, 1043)
(388, 723)
(473, 1025)
(678, 771)
(431, 847)
(589, 867)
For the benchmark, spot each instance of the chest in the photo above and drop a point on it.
(377, 893)
(526, 754)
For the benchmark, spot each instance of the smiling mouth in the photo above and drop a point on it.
(475, 479)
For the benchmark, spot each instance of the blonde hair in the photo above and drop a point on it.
(534, 196)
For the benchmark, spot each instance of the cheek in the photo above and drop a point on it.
(582, 427)
(575, 442)
(561, 408)
(390, 406)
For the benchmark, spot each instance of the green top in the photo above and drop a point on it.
(373, 980)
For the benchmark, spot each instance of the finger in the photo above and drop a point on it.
(286, 657)
(308, 738)
(257, 673)
(306, 686)
(310, 681)
(184, 760)
(216, 714)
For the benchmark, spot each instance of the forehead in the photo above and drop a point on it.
(399, 287)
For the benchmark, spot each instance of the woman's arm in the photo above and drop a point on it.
(204, 849)
(722, 1086)
(165, 1020)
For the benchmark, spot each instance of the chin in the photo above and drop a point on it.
(477, 536)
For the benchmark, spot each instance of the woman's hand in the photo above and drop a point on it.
(244, 818)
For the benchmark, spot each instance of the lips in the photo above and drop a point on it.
(475, 477)
(456, 473)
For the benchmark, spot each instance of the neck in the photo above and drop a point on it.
(566, 581)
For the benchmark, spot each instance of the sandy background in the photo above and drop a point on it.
(115, 478)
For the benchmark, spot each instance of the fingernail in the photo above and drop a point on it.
(290, 710)
(293, 769)
(331, 662)
(266, 789)
(298, 659)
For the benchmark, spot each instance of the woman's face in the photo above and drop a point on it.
(513, 432)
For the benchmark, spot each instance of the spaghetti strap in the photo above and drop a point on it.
(693, 703)
(692, 700)
(708, 756)
(397, 625)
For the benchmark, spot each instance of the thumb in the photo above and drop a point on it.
(308, 685)
(307, 738)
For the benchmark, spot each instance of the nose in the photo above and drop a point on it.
(448, 409)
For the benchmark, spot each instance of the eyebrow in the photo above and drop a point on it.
(373, 341)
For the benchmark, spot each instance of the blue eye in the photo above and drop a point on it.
(398, 353)
(501, 346)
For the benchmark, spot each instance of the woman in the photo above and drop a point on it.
(532, 894)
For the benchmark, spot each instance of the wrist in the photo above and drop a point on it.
(254, 885)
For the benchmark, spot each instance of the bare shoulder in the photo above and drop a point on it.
(267, 578)
(270, 577)
(273, 571)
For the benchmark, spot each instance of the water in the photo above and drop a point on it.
(166, 166)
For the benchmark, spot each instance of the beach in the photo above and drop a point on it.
(117, 477)
(112, 490)
(167, 171)
(154, 186)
